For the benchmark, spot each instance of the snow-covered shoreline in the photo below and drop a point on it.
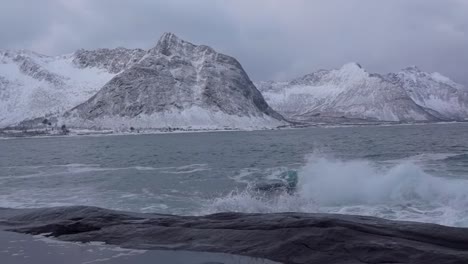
(87, 132)
(18, 134)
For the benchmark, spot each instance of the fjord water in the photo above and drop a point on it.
(408, 172)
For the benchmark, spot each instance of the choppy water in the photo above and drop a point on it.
(398, 172)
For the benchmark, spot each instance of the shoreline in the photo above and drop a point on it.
(97, 133)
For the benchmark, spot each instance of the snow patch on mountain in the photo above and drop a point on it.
(33, 85)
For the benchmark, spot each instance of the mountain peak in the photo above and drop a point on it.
(351, 65)
(412, 68)
(169, 38)
(352, 70)
(178, 84)
(170, 43)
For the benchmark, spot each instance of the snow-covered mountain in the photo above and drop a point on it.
(352, 94)
(34, 85)
(180, 85)
(177, 84)
(440, 96)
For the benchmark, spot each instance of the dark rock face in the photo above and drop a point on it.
(286, 237)
(3, 91)
(174, 76)
(30, 68)
(113, 60)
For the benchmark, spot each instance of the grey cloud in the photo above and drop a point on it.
(272, 39)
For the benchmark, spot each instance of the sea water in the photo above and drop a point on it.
(407, 172)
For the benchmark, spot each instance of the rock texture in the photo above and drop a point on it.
(112, 60)
(285, 237)
(178, 84)
(173, 85)
(350, 93)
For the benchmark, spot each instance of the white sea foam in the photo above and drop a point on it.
(77, 168)
(426, 157)
(247, 175)
(186, 169)
(403, 191)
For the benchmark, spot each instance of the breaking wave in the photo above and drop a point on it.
(401, 191)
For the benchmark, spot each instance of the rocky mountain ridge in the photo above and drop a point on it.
(351, 93)
(178, 84)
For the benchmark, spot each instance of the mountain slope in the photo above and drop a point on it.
(34, 85)
(351, 93)
(177, 84)
(435, 92)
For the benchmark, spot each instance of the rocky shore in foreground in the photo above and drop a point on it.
(283, 237)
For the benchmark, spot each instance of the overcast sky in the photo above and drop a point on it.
(272, 39)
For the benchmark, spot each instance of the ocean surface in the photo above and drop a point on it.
(407, 172)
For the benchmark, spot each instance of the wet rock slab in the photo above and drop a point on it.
(18, 248)
(285, 237)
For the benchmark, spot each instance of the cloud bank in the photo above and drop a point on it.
(272, 39)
